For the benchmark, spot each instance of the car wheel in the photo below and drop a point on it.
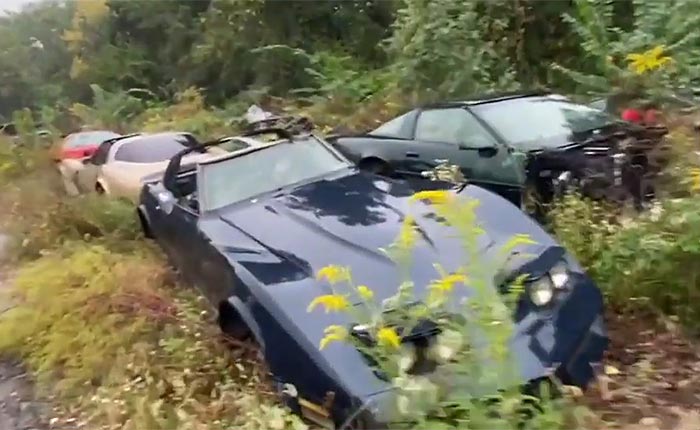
(99, 189)
(231, 323)
(376, 166)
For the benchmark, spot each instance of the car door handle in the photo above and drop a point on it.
(411, 154)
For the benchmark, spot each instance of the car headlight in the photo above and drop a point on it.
(560, 275)
(542, 290)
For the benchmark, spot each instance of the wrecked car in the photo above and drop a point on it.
(524, 146)
(118, 164)
(251, 228)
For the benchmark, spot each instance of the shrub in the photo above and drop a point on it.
(646, 261)
(189, 113)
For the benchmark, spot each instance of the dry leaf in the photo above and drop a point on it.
(611, 370)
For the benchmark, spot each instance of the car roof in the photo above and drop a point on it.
(148, 137)
(76, 133)
(488, 98)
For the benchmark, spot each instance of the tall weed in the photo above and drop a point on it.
(122, 347)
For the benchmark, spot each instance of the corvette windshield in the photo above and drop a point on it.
(268, 169)
(529, 119)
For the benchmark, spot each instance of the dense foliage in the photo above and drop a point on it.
(57, 53)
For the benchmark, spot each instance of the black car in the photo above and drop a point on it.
(514, 143)
(253, 227)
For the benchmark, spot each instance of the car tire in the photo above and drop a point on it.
(99, 189)
(231, 323)
(375, 166)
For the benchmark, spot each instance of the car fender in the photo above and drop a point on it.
(247, 317)
(145, 220)
(359, 148)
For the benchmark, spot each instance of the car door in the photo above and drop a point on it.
(455, 136)
(190, 250)
(86, 177)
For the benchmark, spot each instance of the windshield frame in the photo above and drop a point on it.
(204, 207)
(496, 129)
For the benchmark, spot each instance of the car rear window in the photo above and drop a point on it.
(152, 149)
(89, 138)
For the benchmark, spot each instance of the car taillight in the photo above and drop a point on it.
(77, 153)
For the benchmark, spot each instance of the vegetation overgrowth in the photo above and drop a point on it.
(131, 348)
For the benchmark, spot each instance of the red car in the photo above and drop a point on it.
(82, 144)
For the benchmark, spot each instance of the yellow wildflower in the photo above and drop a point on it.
(447, 283)
(331, 303)
(365, 292)
(387, 337)
(517, 240)
(695, 179)
(435, 197)
(408, 234)
(333, 274)
(649, 60)
(333, 333)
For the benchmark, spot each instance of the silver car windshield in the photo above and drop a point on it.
(268, 169)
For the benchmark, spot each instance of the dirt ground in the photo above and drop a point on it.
(653, 377)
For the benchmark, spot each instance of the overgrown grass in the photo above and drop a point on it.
(103, 324)
(114, 338)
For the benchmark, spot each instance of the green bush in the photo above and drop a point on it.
(648, 261)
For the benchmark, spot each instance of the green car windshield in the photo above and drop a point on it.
(541, 121)
(264, 170)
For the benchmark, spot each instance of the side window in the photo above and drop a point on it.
(452, 125)
(100, 156)
(392, 128)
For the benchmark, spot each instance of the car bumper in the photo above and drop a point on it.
(578, 368)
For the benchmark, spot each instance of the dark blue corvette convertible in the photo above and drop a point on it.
(251, 228)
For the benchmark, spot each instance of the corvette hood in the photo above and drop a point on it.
(283, 240)
(348, 221)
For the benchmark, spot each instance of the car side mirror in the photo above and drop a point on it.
(166, 201)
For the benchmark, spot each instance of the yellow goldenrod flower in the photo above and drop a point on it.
(447, 283)
(365, 292)
(387, 337)
(333, 333)
(695, 179)
(649, 60)
(435, 197)
(408, 234)
(333, 274)
(331, 303)
(517, 240)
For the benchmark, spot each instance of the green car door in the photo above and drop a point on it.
(454, 135)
